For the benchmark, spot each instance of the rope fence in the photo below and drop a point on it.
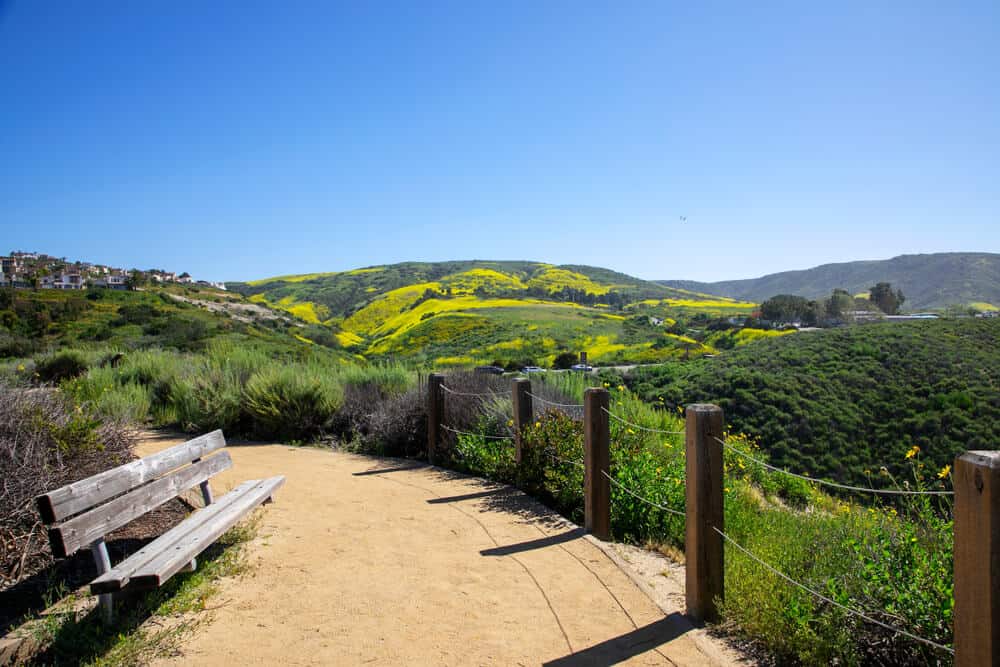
(562, 460)
(637, 427)
(815, 593)
(645, 500)
(845, 487)
(704, 508)
(454, 392)
(475, 435)
(553, 403)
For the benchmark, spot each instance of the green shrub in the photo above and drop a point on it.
(387, 378)
(128, 402)
(290, 402)
(61, 366)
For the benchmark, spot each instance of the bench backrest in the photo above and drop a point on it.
(80, 513)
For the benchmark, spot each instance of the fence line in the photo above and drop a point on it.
(491, 394)
(566, 461)
(859, 489)
(705, 425)
(645, 500)
(553, 403)
(819, 595)
(475, 435)
(641, 428)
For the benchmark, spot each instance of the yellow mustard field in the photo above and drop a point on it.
(553, 280)
(296, 278)
(473, 279)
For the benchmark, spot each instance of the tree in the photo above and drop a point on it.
(839, 304)
(786, 308)
(887, 300)
(135, 279)
(565, 360)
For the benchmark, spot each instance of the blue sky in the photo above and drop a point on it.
(238, 140)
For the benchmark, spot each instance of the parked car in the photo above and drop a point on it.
(490, 370)
(532, 369)
(582, 367)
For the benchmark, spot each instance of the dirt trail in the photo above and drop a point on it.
(373, 561)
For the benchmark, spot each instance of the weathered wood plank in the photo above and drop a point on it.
(703, 548)
(154, 573)
(977, 558)
(67, 537)
(86, 493)
(596, 463)
(119, 576)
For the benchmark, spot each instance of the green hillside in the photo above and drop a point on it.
(841, 403)
(186, 319)
(929, 281)
(467, 312)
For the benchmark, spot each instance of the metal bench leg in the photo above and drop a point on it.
(99, 550)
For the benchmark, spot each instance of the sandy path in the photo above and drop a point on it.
(373, 561)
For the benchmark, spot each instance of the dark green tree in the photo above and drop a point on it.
(840, 304)
(887, 300)
(564, 360)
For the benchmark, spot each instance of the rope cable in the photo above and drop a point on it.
(641, 428)
(645, 500)
(448, 389)
(474, 435)
(859, 489)
(553, 403)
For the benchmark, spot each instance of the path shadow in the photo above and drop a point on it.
(379, 471)
(472, 496)
(631, 644)
(531, 545)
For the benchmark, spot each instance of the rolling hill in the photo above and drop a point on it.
(468, 312)
(928, 281)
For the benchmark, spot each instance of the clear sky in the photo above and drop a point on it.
(239, 140)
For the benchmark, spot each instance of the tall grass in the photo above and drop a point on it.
(244, 390)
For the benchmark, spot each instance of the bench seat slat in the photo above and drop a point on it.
(67, 537)
(118, 576)
(86, 493)
(168, 562)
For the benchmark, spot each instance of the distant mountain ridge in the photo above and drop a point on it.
(928, 281)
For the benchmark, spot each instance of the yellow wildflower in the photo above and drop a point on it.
(621, 387)
(630, 431)
(20, 368)
(945, 471)
(914, 450)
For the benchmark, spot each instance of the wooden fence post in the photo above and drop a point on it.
(596, 462)
(522, 413)
(435, 411)
(703, 546)
(977, 558)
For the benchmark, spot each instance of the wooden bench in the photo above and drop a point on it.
(81, 514)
